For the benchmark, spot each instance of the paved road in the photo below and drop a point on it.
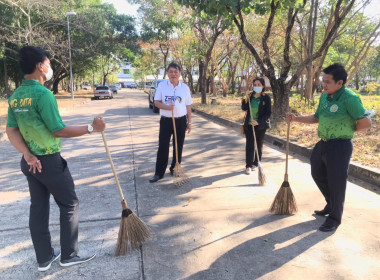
(216, 227)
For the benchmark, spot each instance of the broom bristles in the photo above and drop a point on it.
(262, 177)
(179, 176)
(284, 203)
(132, 233)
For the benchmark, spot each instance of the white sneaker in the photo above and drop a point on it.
(254, 167)
(76, 260)
(248, 170)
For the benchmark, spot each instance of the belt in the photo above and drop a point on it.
(333, 140)
(184, 116)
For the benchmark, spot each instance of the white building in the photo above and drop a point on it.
(125, 75)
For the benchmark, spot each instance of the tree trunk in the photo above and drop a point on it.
(280, 99)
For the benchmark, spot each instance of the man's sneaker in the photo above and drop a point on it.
(76, 260)
(46, 265)
(248, 170)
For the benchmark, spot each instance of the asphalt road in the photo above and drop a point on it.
(216, 227)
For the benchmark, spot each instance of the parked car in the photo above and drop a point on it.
(117, 85)
(133, 85)
(86, 86)
(151, 93)
(114, 89)
(103, 92)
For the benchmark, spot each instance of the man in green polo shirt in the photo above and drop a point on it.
(33, 128)
(339, 115)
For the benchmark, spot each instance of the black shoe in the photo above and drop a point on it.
(323, 212)
(155, 178)
(46, 265)
(76, 260)
(328, 226)
(172, 172)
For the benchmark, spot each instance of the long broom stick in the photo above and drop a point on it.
(262, 177)
(285, 203)
(132, 230)
(179, 176)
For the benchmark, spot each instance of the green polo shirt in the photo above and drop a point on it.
(255, 108)
(34, 111)
(338, 114)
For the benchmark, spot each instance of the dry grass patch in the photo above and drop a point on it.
(366, 144)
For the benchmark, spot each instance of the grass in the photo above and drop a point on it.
(366, 144)
(65, 104)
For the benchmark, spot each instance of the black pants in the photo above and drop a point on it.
(250, 156)
(166, 131)
(54, 179)
(329, 167)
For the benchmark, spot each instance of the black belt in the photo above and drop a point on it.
(184, 116)
(333, 140)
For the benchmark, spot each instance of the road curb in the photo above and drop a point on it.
(356, 170)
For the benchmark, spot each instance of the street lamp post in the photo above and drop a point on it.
(68, 14)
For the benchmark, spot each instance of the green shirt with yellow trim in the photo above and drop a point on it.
(34, 111)
(338, 114)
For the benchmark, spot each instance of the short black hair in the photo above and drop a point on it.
(337, 71)
(30, 56)
(174, 65)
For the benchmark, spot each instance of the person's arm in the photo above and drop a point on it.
(188, 109)
(302, 119)
(362, 124)
(162, 106)
(74, 131)
(16, 139)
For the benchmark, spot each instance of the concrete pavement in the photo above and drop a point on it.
(216, 227)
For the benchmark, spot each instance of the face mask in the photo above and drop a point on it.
(258, 89)
(49, 74)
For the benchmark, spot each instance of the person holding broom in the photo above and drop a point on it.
(261, 111)
(171, 96)
(34, 128)
(339, 115)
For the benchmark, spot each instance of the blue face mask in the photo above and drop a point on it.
(258, 89)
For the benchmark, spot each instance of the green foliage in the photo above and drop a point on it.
(372, 87)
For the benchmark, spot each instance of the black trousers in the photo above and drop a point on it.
(250, 156)
(329, 168)
(54, 179)
(166, 132)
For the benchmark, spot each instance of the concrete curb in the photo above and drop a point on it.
(364, 173)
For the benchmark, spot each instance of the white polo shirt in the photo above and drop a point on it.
(180, 95)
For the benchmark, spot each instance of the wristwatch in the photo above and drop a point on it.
(90, 128)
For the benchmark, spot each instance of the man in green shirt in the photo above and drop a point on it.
(33, 128)
(340, 113)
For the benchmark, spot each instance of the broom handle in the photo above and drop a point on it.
(113, 168)
(287, 151)
(175, 137)
(253, 129)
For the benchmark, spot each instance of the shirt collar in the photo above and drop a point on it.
(30, 82)
(170, 84)
(337, 94)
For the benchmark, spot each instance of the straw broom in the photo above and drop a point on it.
(284, 203)
(132, 230)
(262, 177)
(179, 176)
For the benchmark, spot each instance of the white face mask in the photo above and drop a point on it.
(49, 74)
(258, 89)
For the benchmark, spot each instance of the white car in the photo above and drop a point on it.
(103, 92)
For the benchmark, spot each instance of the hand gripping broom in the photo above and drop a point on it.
(262, 177)
(284, 203)
(132, 230)
(179, 176)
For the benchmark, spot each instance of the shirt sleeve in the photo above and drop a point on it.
(316, 114)
(11, 119)
(189, 100)
(355, 108)
(158, 93)
(48, 109)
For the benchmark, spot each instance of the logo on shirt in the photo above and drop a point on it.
(334, 108)
(173, 98)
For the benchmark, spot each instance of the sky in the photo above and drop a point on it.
(123, 7)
